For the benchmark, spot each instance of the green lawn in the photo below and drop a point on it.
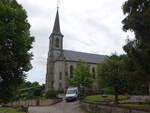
(110, 98)
(8, 110)
(139, 106)
(99, 98)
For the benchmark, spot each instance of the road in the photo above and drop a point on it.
(62, 107)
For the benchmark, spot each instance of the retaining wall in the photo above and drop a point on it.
(100, 108)
(34, 102)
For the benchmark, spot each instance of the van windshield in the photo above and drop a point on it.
(71, 92)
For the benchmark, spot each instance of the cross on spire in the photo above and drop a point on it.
(58, 2)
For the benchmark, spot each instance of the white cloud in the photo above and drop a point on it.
(88, 26)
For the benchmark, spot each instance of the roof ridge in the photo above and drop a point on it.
(84, 52)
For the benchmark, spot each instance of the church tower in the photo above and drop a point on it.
(55, 52)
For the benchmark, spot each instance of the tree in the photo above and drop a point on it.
(137, 20)
(37, 92)
(82, 76)
(28, 84)
(113, 74)
(15, 43)
(51, 94)
(29, 90)
(131, 73)
(134, 74)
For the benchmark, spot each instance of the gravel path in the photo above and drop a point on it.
(62, 107)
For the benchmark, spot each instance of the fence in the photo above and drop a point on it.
(89, 92)
(34, 102)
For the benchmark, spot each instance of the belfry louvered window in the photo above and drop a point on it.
(57, 42)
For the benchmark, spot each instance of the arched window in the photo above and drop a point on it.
(57, 43)
(71, 71)
(93, 71)
(66, 73)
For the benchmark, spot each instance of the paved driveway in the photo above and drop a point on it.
(62, 107)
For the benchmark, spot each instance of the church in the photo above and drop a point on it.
(61, 63)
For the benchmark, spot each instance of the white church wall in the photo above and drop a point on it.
(59, 82)
(64, 68)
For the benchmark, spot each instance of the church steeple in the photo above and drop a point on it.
(55, 53)
(56, 38)
(56, 28)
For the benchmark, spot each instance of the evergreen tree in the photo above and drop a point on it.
(112, 72)
(15, 43)
(137, 20)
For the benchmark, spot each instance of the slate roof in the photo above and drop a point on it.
(87, 57)
(56, 28)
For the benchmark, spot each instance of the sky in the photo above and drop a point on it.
(92, 26)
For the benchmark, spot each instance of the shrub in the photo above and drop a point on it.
(108, 91)
(60, 91)
(51, 94)
(147, 101)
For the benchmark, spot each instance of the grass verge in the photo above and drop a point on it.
(110, 98)
(99, 98)
(137, 106)
(9, 110)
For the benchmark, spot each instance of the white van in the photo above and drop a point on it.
(72, 94)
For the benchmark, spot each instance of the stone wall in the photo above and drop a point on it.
(34, 102)
(135, 99)
(99, 108)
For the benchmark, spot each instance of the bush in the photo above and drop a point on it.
(108, 91)
(147, 101)
(60, 91)
(51, 94)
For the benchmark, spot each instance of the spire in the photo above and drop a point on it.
(56, 28)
